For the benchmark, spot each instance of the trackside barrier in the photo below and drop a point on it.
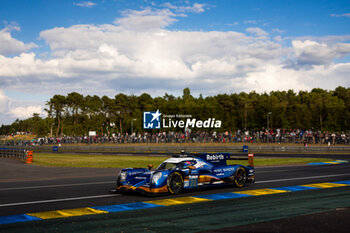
(245, 149)
(13, 153)
(251, 160)
(173, 149)
(29, 156)
(189, 148)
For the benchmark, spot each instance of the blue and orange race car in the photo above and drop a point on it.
(186, 171)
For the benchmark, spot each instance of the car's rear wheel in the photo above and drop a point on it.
(240, 177)
(175, 183)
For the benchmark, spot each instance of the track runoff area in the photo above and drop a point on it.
(35, 199)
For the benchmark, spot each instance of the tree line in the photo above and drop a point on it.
(76, 114)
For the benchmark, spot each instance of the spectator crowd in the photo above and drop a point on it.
(248, 136)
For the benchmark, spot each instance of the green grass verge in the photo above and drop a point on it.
(97, 161)
(120, 161)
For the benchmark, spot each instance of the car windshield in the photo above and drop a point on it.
(181, 165)
(167, 166)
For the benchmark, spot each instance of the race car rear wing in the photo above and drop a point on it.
(250, 159)
(219, 158)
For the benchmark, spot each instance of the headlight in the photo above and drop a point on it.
(156, 177)
(122, 176)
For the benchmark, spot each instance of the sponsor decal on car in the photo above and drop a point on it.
(215, 157)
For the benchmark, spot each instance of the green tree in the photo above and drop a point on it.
(56, 108)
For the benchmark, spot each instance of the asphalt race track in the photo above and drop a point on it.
(29, 189)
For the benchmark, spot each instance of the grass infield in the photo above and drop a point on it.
(123, 161)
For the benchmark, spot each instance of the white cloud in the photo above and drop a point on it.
(11, 46)
(233, 24)
(139, 54)
(195, 8)
(4, 102)
(330, 39)
(277, 30)
(278, 38)
(314, 53)
(341, 15)
(257, 31)
(146, 19)
(11, 109)
(25, 112)
(250, 22)
(87, 4)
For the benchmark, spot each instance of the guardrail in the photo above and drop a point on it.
(16, 153)
(190, 148)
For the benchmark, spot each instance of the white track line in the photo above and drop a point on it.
(56, 185)
(58, 200)
(301, 178)
(112, 182)
(113, 195)
(272, 171)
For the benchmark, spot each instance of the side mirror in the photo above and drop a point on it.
(150, 166)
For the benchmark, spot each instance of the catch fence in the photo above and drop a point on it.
(176, 148)
(17, 153)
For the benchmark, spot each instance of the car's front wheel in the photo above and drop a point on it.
(175, 183)
(240, 177)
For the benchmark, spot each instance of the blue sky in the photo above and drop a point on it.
(295, 18)
(105, 47)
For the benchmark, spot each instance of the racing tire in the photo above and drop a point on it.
(118, 183)
(240, 177)
(175, 183)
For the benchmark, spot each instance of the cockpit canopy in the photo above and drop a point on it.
(180, 165)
